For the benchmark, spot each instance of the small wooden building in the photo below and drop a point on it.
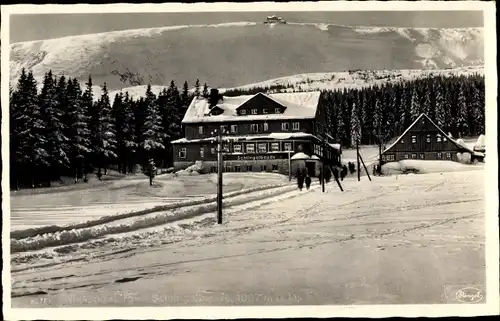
(425, 140)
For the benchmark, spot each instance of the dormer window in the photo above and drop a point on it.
(296, 126)
(413, 139)
(223, 129)
(201, 130)
(264, 111)
(254, 111)
(428, 138)
(402, 141)
(266, 127)
(243, 112)
(234, 128)
(438, 138)
(285, 126)
(277, 110)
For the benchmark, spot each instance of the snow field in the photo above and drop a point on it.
(132, 222)
(428, 166)
(298, 245)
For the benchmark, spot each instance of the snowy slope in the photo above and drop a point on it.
(157, 55)
(323, 80)
(355, 239)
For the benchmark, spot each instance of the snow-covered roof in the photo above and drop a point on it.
(300, 156)
(299, 106)
(457, 143)
(315, 157)
(277, 136)
(335, 146)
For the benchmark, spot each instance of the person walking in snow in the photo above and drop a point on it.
(300, 179)
(151, 171)
(308, 181)
(343, 173)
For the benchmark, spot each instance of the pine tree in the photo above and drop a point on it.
(53, 102)
(152, 133)
(205, 91)
(462, 126)
(341, 134)
(377, 120)
(185, 97)
(92, 110)
(355, 125)
(118, 111)
(106, 134)
(30, 133)
(197, 88)
(128, 131)
(79, 133)
(415, 104)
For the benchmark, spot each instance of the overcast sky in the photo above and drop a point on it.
(36, 27)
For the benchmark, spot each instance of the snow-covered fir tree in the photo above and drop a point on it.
(462, 125)
(153, 133)
(415, 104)
(197, 88)
(78, 133)
(355, 125)
(106, 148)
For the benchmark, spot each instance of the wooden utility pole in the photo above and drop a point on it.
(379, 156)
(361, 158)
(220, 168)
(289, 165)
(357, 158)
(323, 165)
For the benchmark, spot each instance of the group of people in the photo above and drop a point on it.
(303, 176)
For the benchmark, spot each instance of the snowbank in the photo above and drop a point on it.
(32, 232)
(480, 143)
(166, 216)
(426, 166)
(194, 169)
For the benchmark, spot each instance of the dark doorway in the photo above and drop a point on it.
(311, 166)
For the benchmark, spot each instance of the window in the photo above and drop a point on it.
(262, 148)
(263, 168)
(182, 153)
(250, 148)
(295, 126)
(413, 139)
(288, 146)
(202, 152)
(277, 111)
(225, 148)
(383, 158)
(448, 155)
(243, 112)
(421, 155)
(389, 157)
(406, 156)
(275, 147)
(237, 168)
(438, 138)
(402, 141)
(285, 126)
(249, 168)
(439, 156)
(234, 128)
(444, 139)
(428, 138)
(212, 150)
(413, 156)
(254, 128)
(237, 148)
(223, 128)
(266, 127)
(275, 167)
(254, 111)
(201, 130)
(264, 111)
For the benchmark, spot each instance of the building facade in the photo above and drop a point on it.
(425, 140)
(259, 132)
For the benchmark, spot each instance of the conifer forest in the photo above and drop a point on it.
(63, 130)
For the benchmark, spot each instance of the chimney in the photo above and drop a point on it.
(213, 98)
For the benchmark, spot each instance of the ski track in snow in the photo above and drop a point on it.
(416, 216)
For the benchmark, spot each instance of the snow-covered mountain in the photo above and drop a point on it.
(237, 53)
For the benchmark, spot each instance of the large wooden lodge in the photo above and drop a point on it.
(260, 132)
(425, 140)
